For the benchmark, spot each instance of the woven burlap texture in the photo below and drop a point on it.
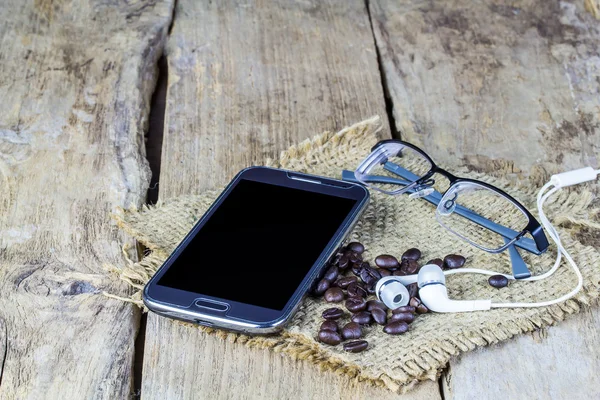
(391, 225)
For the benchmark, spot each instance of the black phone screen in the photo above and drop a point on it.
(259, 244)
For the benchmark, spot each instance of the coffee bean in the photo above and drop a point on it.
(356, 289)
(413, 290)
(351, 330)
(396, 328)
(329, 326)
(333, 313)
(336, 259)
(354, 257)
(330, 337)
(384, 272)
(356, 247)
(322, 287)
(356, 304)
(356, 346)
(436, 261)
(371, 287)
(414, 302)
(404, 317)
(369, 275)
(344, 262)
(332, 273)
(409, 267)
(362, 317)
(404, 309)
(419, 306)
(399, 272)
(357, 268)
(386, 261)
(371, 304)
(334, 295)
(498, 281)
(454, 261)
(379, 316)
(344, 281)
(412, 254)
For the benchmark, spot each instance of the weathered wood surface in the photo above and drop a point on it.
(560, 362)
(247, 80)
(498, 87)
(182, 363)
(75, 82)
(492, 85)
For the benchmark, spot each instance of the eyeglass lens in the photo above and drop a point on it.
(483, 202)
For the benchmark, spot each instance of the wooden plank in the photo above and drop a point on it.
(560, 362)
(199, 366)
(75, 83)
(247, 80)
(499, 87)
(490, 85)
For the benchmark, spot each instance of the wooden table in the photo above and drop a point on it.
(492, 86)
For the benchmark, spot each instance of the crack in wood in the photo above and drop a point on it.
(389, 103)
(4, 353)
(154, 140)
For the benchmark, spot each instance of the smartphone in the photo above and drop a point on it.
(248, 262)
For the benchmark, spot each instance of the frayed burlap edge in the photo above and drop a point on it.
(430, 362)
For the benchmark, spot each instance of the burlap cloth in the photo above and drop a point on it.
(392, 225)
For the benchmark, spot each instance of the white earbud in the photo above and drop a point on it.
(392, 292)
(434, 294)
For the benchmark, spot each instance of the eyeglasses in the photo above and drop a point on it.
(477, 212)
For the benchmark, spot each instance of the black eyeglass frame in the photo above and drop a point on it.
(533, 227)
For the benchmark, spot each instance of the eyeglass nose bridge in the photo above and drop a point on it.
(422, 189)
(447, 207)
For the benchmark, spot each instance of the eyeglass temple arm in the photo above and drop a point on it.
(519, 268)
(435, 198)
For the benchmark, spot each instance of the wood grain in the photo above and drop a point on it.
(560, 362)
(491, 85)
(249, 78)
(246, 80)
(199, 366)
(75, 82)
(502, 88)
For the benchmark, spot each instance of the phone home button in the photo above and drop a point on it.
(211, 304)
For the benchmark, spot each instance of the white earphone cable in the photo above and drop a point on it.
(560, 251)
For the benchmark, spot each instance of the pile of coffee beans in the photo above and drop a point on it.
(350, 281)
